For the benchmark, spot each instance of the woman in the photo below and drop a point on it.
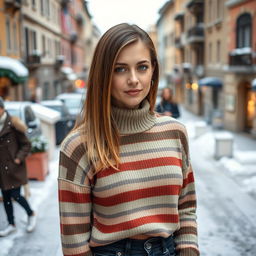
(126, 185)
(14, 147)
(167, 106)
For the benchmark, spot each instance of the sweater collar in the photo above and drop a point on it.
(130, 121)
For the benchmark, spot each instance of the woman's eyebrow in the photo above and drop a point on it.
(125, 64)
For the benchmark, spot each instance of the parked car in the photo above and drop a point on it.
(65, 124)
(74, 103)
(24, 111)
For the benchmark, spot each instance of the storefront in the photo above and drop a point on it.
(13, 74)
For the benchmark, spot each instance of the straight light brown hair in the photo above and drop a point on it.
(100, 135)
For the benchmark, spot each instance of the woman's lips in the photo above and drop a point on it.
(133, 92)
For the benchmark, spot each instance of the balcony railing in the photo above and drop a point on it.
(241, 57)
(33, 59)
(179, 16)
(14, 5)
(196, 34)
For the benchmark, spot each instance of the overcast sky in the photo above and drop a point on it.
(107, 13)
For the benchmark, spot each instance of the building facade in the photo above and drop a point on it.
(41, 48)
(240, 98)
(215, 59)
(11, 87)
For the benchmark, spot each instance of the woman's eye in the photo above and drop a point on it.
(142, 67)
(119, 69)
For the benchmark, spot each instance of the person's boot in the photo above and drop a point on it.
(8, 230)
(31, 223)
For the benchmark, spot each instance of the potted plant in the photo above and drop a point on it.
(37, 161)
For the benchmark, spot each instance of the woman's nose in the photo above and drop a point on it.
(133, 79)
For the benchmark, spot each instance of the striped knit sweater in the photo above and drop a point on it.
(152, 194)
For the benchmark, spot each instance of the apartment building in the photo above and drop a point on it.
(165, 45)
(240, 88)
(41, 47)
(13, 73)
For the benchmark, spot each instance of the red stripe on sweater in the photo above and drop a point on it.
(161, 218)
(137, 194)
(189, 179)
(143, 164)
(72, 197)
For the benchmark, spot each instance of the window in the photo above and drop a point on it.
(43, 45)
(33, 2)
(219, 9)
(210, 52)
(27, 45)
(42, 7)
(33, 38)
(244, 31)
(15, 46)
(218, 51)
(8, 34)
(210, 11)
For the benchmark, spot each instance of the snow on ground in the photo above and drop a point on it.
(39, 192)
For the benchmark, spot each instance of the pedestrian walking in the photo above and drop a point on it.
(14, 147)
(126, 185)
(168, 106)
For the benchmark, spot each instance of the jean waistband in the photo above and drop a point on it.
(149, 243)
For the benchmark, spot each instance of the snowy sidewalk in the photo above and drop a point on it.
(241, 167)
(40, 193)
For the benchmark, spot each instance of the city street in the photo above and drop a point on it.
(226, 212)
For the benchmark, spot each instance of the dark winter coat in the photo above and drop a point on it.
(13, 144)
(166, 106)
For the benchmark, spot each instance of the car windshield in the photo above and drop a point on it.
(14, 112)
(73, 103)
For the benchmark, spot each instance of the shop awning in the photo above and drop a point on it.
(211, 81)
(13, 69)
(254, 85)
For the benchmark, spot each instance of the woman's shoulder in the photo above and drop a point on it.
(170, 123)
(73, 145)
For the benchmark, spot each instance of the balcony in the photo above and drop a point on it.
(33, 60)
(177, 42)
(179, 16)
(196, 34)
(242, 60)
(195, 6)
(73, 37)
(12, 5)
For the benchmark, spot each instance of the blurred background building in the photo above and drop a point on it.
(52, 39)
(207, 52)
(206, 49)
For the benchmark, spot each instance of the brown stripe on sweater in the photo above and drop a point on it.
(186, 230)
(145, 137)
(187, 204)
(73, 229)
(70, 165)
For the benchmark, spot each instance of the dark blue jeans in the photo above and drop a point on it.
(155, 246)
(7, 198)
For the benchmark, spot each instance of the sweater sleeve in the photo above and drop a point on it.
(75, 207)
(186, 237)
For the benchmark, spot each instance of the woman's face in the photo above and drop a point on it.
(132, 76)
(166, 94)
